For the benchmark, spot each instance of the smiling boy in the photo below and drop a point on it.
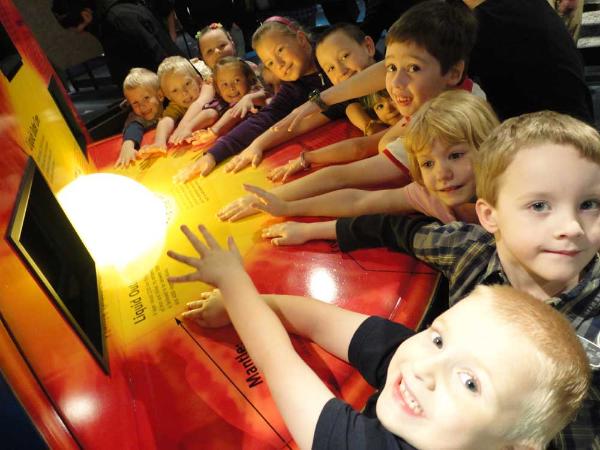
(499, 370)
(538, 188)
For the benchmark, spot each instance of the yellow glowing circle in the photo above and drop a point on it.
(121, 222)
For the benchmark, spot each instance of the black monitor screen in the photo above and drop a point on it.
(44, 237)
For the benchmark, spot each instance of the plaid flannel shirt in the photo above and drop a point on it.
(466, 254)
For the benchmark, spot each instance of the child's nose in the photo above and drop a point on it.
(443, 172)
(569, 227)
(424, 371)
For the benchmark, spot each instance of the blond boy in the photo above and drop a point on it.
(500, 370)
(538, 187)
(182, 86)
(142, 91)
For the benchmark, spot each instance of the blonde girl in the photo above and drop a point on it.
(440, 142)
(286, 50)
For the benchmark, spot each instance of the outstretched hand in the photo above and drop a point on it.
(288, 233)
(238, 209)
(282, 173)
(243, 107)
(294, 118)
(151, 151)
(267, 202)
(249, 156)
(203, 167)
(214, 265)
(209, 311)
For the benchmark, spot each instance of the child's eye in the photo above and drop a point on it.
(437, 340)
(280, 49)
(589, 205)
(329, 69)
(455, 155)
(469, 381)
(379, 106)
(411, 68)
(539, 206)
(391, 67)
(427, 164)
(209, 51)
(344, 56)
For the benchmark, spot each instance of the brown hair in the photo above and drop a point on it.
(251, 77)
(518, 133)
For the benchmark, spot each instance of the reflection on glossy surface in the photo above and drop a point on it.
(121, 222)
(82, 408)
(322, 285)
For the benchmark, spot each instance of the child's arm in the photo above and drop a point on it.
(264, 336)
(341, 203)
(340, 152)
(297, 233)
(163, 129)
(270, 138)
(365, 82)
(374, 170)
(361, 120)
(127, 155)
(196, 116)
(248, 102)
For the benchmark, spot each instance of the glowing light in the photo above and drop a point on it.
(321, 285)
(81, 408)
(121, 222)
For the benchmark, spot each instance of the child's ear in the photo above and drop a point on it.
(369, 45)
(487, 215)
(87, 16)
(160, 95)
(455, 74)
(302, 38)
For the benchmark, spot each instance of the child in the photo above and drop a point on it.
(426, 52)
(181, 84)
(538, 188)
(499, 370)
(142, 91)
(239, 92)
(440, 141)
(215, 43)
(286, 50)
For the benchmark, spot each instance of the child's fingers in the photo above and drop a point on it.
(196, 243)
(261, 193)
(182, 278)
(189, 260)
(256, 159)
(233, 248)
(210, 240)
(197, 304)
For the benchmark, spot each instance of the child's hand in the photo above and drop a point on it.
(293, 119)
(181, 133)
(288, 233)
(151, 151)
(267, 202)
(281, 173)
(214, 266)
(127, 155)
(208, 312)
(238, 209)
(203, 167)
(202, 138)
(241, 108)
(251, 155)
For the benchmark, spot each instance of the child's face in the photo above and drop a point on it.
(547, 217)
(181, 89)
(386, 110)
(447, 172)
(232, 83)
(288, 57)
(145, 102)
(214, 45)
(340, 56)
(414, 76)
(462, 383)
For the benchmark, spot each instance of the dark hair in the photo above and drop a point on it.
(447, 30)
(213, 26)
(246, 69)
(349, 29)
(68, 12)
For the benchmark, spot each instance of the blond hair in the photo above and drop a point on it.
(564, 378)
(282, 25)
(178, 65)
(141, 77)
(453, 117)
(528, 130)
